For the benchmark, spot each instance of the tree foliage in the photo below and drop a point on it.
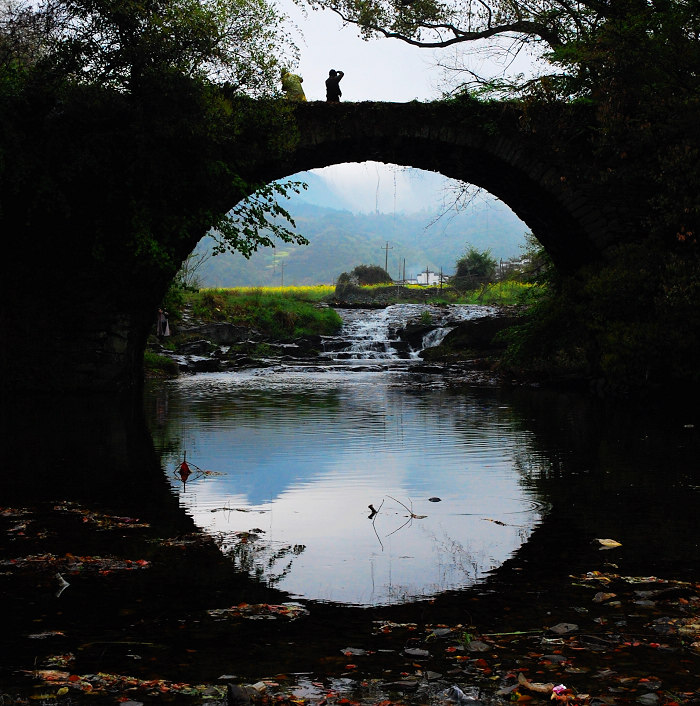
(473, 269)
(120, 121)
(590, 44)
(364, 275)
(119, 43)
(370, 274)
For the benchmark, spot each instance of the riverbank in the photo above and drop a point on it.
(219, 330)
(457, 342)
(516, 344)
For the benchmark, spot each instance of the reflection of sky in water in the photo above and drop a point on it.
(303, 458)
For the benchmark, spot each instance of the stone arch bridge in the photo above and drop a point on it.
(490, 146)
(88, 332)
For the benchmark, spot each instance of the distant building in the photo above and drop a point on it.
(512, 266)
(428, 278)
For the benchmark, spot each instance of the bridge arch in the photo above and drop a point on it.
(495, 154)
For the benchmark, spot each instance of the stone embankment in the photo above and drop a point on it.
(349, 295)
(216, 347)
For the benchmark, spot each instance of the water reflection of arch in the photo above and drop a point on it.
(103, 454)
(568, 463)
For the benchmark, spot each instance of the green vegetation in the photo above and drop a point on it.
(474, 268)
(366, 276)
(139, 76)
(306, 293)
(631, 323)
(159, 365)
(370, 274)
(279, 314)
(505, 293)
(512, 292)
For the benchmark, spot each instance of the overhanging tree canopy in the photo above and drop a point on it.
(116, 43)
(585, 40)
(114, 113)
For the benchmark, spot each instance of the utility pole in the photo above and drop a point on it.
(404, 270)
(386, 249)
(282, 268)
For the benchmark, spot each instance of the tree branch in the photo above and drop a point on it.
(545, 33)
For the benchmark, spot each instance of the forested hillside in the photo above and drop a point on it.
(340, 240)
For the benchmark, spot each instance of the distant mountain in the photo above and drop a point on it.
(341, 240)
(371, 187)
(319, 192)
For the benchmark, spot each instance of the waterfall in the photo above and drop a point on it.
(436, 336)
(365, 336)
(370, 334)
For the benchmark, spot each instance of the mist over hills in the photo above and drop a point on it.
(340, 239)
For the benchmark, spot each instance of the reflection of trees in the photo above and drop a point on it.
(171, 410)
(259, 559)
(460, 566)
(623, 470)
(461, 560)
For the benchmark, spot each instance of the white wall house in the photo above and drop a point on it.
(428, 278)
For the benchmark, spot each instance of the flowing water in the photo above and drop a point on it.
(353, 489)
(371, 335)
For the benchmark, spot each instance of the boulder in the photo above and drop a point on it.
(474, 337)
(199, 347)
(414, 333)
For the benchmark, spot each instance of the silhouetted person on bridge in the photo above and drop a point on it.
(333, 91)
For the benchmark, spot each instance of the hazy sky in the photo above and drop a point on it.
(372, 186)
(383, 69)
(380, 69)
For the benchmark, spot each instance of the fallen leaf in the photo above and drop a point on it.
(534, 686)
(600, 597)
(608, 543)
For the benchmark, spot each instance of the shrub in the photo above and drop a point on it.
(473, 269)
(159, 365)
(370, 274)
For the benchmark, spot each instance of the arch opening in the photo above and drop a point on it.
(370, 213)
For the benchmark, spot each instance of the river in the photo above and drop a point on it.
(348, 492)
